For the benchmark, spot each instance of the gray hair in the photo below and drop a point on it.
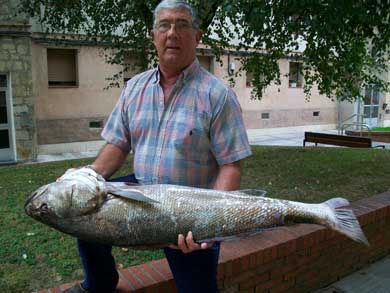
(180, 5)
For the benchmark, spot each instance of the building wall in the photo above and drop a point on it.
(286, 106)
(15, 61)
(63, 113)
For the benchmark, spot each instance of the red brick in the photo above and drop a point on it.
(55, 290)
(282, 270)
(67, 285)
(236, 266)
(245, 262)
(252, 260)
(141, 276)
(221, 270)
(124, 285)
(228, 268)
(228, 252)
(255, 281)
(156, 276)
(239, 278)
(131, 280)
(161, 266)
(268, 285)
(283, 286)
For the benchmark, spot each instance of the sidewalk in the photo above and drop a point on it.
(289, 136)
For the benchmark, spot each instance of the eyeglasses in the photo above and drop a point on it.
(181, 26)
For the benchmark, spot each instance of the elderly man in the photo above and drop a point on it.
(185, 127)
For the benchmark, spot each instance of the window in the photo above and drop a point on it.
(206, 62)
(265, 115)
(249, 79)
(4, 123)
(62, 67)
(316, 113)
(130, 67)
(295, 75)
(3, 108)
(96, 124)
(3, 100)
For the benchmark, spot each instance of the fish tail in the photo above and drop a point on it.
(345, 221)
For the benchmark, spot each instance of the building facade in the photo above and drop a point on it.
(53, 97)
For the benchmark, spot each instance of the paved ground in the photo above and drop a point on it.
(373, 278)
(274, 136)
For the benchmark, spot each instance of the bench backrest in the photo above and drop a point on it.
(343, 140)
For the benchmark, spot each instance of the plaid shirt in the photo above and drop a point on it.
(185, 140)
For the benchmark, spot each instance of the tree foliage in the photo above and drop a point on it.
(343, 45)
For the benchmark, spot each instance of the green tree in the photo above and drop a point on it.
(344, 43)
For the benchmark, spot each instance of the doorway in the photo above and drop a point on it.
(7, 141)
(371, 106)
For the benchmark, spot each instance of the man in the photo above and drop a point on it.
(185, 127)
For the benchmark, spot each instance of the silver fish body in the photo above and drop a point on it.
(152, 216)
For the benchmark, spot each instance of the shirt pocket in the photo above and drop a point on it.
(192, 140)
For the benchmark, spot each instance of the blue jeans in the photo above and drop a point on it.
(193, 272)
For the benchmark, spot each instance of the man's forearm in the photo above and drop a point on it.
(109, 159)
(229, 177)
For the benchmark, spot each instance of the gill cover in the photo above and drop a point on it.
(82, 192)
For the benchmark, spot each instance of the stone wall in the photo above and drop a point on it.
(15, 61)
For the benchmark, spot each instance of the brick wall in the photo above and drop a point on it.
(299, 258)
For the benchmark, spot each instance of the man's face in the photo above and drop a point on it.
(175, 38)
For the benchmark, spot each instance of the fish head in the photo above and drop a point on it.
(69, 197)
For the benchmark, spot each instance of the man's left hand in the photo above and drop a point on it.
(187, 244)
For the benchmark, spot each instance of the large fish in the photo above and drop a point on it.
(81, 203)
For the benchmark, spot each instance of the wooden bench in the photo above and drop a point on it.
(340, 140)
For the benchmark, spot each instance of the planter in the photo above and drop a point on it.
(383, 136)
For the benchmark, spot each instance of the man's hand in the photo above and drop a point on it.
(187, 244)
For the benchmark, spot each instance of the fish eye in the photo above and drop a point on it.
(44, 208)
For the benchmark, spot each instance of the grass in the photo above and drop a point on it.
(385, 129)
(35, 256)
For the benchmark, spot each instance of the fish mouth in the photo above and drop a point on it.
(29, 206)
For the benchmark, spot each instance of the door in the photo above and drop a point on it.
(371, 106)
(7, 152)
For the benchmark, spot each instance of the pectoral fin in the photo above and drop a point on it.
(131, 194)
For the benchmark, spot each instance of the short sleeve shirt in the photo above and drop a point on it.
(183, 141)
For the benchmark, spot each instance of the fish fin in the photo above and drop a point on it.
(346, 221)
(251, 192)
(131, 194)
(236, 237)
